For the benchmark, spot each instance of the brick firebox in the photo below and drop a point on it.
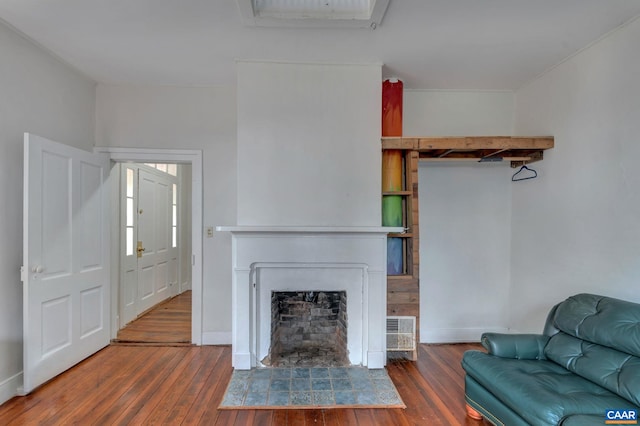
(308, 329)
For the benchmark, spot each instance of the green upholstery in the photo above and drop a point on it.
(587, 361)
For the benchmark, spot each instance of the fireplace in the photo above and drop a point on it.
(268, 260)
(308, 329)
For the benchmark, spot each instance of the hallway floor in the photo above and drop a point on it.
(167, 323)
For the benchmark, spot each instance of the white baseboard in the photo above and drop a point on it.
(216, 338)
(456, 335)
(9, 387)
(376, 359)
(241, 361)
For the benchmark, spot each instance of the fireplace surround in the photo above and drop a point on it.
(300, 259)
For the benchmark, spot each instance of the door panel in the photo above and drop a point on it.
(88, 245)
(90, 319)
(66, 258)
(53, 242)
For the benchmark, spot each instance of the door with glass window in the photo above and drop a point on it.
(149, 260)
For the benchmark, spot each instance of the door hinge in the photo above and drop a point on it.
(22, 277)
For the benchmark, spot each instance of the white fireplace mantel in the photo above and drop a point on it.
(285, 258)
(311, 229)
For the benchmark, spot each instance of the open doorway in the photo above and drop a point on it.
(193, 263)
(154, 208)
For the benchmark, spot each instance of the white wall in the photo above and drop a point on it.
(201, 118)
(309, 144)
(457, 113)
(576, 228)
(465, 216)
(41, 95)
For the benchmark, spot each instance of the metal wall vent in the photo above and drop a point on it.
(401, 333)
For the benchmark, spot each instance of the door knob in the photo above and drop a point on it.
(37, 269)
(140, 249)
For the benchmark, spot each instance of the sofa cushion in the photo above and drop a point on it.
(491, 408)
(542, 392)
(584, 420)
(603, 320)
(617, 371)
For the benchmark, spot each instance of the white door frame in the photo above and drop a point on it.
(184, 156)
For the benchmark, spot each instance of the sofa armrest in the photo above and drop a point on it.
(517, 346)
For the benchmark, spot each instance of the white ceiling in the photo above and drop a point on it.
(430, 44)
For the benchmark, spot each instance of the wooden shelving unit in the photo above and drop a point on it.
(403, 291)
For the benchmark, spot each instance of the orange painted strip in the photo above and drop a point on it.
(391, 170)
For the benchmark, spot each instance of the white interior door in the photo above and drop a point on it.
(154, 196)
(149, 249)
(66, 257)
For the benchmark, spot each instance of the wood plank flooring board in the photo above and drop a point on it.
(313, 417)
(296, 418)
(442, 368)
(280, 418)
(171, 407)
(113, 398)
(123, 385)
(225, 418)
(245, 417)
(195, 386)
(205, 405)
(422, 395)
(145, 404)
(72, 386)
(168, 322)
(120, 398)
(263, 418)
(391, 417)
(65, 389)
(442, 402)
(365, 417)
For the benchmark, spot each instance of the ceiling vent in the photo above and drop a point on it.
(313, 13)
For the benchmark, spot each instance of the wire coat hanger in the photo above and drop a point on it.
(514, 178)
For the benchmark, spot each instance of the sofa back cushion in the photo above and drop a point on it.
(598, 338)
(603, 320)
(614, 370)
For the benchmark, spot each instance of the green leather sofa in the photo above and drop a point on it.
(586, 361)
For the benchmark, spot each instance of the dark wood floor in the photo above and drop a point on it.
(169, 322)
(170, 384)
(184, 385)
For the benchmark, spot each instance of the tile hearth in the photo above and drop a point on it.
(310, 387)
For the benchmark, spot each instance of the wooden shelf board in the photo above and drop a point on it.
(397, 193)
(404, 235)
(516, 149)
